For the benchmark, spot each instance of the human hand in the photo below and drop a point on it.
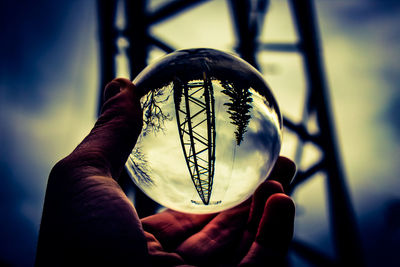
(87, 218)
(255, 233)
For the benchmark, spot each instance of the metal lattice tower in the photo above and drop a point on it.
(194, 105)
(247, 18)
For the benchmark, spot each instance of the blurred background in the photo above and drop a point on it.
(49, 93)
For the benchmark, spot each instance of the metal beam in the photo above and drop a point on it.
(137, 32)
(171, 9)
(344, 229)
(108, 35)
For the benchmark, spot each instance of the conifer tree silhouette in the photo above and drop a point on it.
(239, 108)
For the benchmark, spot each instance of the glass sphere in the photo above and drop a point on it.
(212, 131)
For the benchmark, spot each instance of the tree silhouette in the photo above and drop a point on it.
(153, 120)
(153, 115)
(239, 108)
(140, 166)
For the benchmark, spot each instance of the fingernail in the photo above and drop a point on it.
(283, 171)
(284, 167)
(112, 89)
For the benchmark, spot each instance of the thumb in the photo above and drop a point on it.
(116, 86)
(107, 147)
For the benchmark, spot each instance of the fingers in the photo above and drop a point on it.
(263, 192)
(276, 226)
(105, 150)
(158, 256)
(171, 228)
(274, 233)
(217, 239)
(283, 171)
(281, 175)
(223, 233)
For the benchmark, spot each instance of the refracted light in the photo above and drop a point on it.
(212, 131)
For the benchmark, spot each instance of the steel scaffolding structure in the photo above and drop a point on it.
(247, 17)
(194, 105)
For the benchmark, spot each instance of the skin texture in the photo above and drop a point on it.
(88, 220)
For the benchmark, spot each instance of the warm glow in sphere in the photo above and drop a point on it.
(212, 131)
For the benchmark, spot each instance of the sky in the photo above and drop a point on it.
(49, 87)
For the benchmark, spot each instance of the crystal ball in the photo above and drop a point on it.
(212, 131)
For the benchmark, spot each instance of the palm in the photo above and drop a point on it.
(261, 225)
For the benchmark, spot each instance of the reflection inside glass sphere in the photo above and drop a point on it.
(212, 131)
